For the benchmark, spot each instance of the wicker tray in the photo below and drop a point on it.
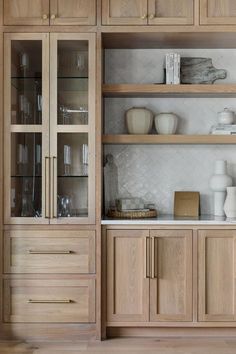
(138, 214)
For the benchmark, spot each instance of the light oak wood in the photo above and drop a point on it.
(73, 12)
(55, 301)
(124, 12)
(171, 283)
(216, 271)
(220, 12)
(169, 139)
(152, 90)
(49, 252)
(44, 128)
(26, 12)
(127, 283)
(170, 12)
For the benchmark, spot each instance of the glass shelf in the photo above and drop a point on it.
(73, 77)
(19, 176)
(60, 176)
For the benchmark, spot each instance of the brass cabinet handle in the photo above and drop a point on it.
(47, 194)
(153, 257)
(49, 252)
(147, 258)
(151, 17)
(144, 16)
(54, 181)
(53, 17)
(45, 17)
(31, 301)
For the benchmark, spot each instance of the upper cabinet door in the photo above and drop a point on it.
(216, 272)
(26, 12)
(171, 12)
(219, 12)
(171, 278)
(73, 12)
(26, 128)
(124, 12)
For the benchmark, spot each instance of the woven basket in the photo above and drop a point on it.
(135, 214)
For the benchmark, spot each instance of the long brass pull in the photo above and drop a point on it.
(31, 301)
(147, 258)
(54, 181)
(153, 257)
(49, 252)
(47, 188)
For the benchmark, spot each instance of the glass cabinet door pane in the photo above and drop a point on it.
(26, 175)
(72, 77)
(26, 82)
(72, 175)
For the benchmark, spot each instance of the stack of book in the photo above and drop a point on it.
(172, 68)
(223, 129)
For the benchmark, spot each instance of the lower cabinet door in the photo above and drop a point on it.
(49, 301)
(127, 282)
(171, 275)
(216, 275)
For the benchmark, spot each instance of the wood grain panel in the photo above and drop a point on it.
(171, 12)
(127, 287)
(26, 12)
(49, 301)
(73, 12)
(124, 12)
(216, 269)
(171, 290)
(220, 12)
(42, 252)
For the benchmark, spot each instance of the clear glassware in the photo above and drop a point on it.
(67, 160)
(24, 64)
(80, 62)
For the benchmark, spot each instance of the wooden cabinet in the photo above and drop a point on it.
(149, 278)
(49, 151)
(49, 301)
(53, 12)
(171, 279)
(49, 252)
(127, 282)
(143, 12)
(170, 12)
(73, 12)
(216, 269)
(217, 12)
(26, 12)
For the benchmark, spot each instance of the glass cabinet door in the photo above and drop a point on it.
(72, 127)
(26, 142)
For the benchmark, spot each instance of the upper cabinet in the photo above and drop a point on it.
(49, 159)
(217, 12)
(26, 12)
(147, 12)
(53, 12)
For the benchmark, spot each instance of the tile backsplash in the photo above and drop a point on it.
(154, 172)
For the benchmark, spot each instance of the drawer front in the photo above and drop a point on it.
(49, 301)
(49, 252)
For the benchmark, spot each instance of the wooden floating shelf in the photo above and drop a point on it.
(169, 139)
(152, 90)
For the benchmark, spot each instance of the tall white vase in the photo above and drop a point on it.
(230, 203)
(218, 183)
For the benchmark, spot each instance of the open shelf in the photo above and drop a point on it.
(155, 90)
(169, 139)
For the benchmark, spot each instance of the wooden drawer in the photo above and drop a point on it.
(49, 252)
(49, 301)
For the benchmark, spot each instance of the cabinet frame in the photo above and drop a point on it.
(108, 20)
(207, 20)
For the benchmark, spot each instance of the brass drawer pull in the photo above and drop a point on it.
(147, 258)
(31, 301)
(144, 16)
(49, 252)
(151, 17)
(47, 191)
(154, 258)
(53, 17)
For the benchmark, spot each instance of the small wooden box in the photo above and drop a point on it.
(187, 204)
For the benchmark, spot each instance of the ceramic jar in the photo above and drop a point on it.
(226, 116)
(139, 120)
(166, 123)
(218, 183)
(230, 203)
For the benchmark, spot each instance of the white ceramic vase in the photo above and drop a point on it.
(139, 120)
(230, 203)
(166, 123)
(218, 183)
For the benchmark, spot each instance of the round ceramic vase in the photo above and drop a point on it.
(225, 117)
(166, 123)
(139, 120)
(230, 203)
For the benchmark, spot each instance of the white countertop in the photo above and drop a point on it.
(171, 220)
